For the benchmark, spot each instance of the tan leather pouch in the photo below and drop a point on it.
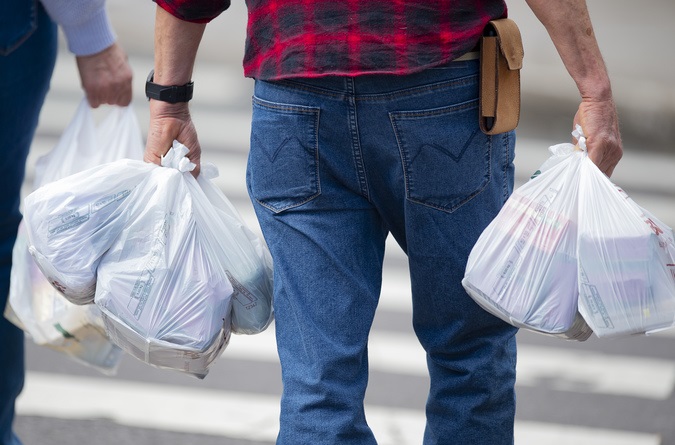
(501, 58)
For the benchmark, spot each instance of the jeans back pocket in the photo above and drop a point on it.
(18, 20)
(446, 158)
(284, 158)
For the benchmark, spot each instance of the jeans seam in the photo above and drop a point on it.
(279, 210)
(507, 161)
(356, 141)
(404, 159)
(380, 97)
(294, 85)
(418, 90)
(473, 103)
(282, 107)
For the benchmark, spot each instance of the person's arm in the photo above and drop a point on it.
(105, 73)
(569, 26)
(176, 44)
(106, 77)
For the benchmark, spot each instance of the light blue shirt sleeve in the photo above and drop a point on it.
(85, 24)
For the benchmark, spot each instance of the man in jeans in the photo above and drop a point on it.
(365, 123)
(28, 49)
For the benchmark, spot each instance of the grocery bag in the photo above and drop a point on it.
(593, 262)
(165, 260)
(85, 143)
(626, 259)
(523, 267)
(34, 304)
(72, 222)
(249, 264)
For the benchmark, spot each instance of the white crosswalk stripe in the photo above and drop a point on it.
(566, 369)
(248, 416)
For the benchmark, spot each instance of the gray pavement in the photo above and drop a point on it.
(618, 392)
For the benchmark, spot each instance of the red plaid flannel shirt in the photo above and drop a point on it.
(312, 38)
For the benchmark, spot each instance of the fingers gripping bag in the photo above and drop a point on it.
(523, 267)
(626, 261)
(37, 307)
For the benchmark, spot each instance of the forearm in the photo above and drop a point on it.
(569, 26)
(176, 45)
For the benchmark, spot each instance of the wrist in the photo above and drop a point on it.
(179, 110)
(597, 95)
(172, 94)
(595, 86)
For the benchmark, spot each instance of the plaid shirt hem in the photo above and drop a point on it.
(314, 38)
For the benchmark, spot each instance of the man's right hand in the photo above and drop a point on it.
(176, 44)
(169, 122)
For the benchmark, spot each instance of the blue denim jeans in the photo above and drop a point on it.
(28, 47)
(336, 165)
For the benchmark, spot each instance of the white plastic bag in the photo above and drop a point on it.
(75, 220)
(523, 267)
(164, 298)
(35, 305)
(571, 254)
(161, 253)
(248, 265)
(626, 261)
(85, 144)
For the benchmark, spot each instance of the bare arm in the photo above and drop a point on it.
(570, 28)
(176, 44)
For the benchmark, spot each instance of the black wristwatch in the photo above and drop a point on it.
(167, 93)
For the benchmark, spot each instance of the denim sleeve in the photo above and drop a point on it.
(85, 24)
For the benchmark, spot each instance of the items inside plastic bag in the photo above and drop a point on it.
(75, 220)
(625, 260)
(51, 320)
(523, 267)
(252, 310)
(159, 277)
(167, 254)
(34, 304)
(570, 254)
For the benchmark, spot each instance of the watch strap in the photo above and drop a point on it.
(168, 93)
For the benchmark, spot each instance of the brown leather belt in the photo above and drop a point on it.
(471, 55)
